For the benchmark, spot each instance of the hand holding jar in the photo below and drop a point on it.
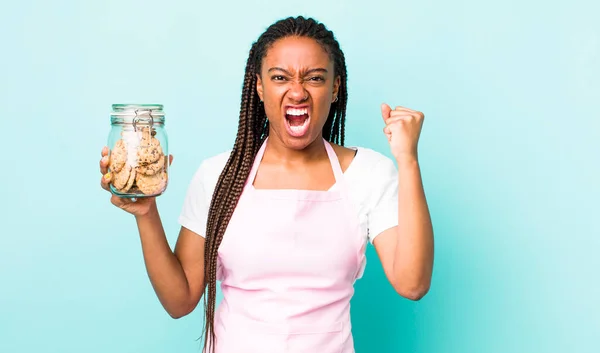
(135, 163)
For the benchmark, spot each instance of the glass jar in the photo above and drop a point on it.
(139, 156)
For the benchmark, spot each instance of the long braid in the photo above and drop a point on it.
(253, 128)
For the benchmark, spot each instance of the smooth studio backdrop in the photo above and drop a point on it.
(509, 154)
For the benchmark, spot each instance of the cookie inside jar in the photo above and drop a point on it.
(138, 163)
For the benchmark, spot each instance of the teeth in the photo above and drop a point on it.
(298, 129)
(296, 112)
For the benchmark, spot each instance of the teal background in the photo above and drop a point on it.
(509, 155)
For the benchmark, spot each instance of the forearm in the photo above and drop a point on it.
(164, 269)
(413, 256)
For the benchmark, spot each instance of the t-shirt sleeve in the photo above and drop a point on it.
(383, 213)
(194, 213)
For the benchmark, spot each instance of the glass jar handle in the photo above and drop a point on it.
(137, 119)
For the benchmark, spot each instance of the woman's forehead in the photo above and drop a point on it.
(297, 52)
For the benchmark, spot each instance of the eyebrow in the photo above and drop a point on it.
(319, 69)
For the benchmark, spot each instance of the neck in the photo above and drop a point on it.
(277, 151)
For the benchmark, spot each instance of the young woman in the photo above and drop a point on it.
(282, 220)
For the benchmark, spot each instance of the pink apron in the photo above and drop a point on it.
(287, 265)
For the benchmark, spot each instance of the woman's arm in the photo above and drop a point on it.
(406, 251)
(177, 277)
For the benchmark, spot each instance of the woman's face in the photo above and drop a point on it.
(297, 84)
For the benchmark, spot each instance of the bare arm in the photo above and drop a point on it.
(406, 251)
(177, 277)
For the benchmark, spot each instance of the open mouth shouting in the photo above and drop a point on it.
(297, 120)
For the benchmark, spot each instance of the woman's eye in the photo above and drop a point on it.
(310, 79)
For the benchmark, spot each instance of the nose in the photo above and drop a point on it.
(297, 92)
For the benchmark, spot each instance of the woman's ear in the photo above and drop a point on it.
(259, 87)
(336, 88)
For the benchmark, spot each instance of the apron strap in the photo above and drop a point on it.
(334, 161)
(257, 159)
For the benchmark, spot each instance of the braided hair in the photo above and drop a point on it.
(253, 128)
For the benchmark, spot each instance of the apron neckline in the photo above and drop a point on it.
(335, 192)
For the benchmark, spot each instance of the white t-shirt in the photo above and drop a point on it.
(372, 180)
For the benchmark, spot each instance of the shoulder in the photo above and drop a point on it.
(358, 159)
(207, 174)
(371, 174)
(198, 197)
(215, 164)
(370, 163)
(373, 171)
(368, 157)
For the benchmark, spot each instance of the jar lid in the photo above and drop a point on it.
(137, 114)
(137, 109)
